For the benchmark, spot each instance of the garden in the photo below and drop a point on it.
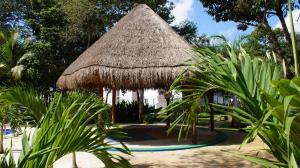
(58, 57)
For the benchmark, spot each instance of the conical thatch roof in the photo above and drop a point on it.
(140, 51)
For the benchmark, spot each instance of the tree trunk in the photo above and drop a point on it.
(278, 50)
(285, 30)
(141, 105)
(74, 165)
(1, 138)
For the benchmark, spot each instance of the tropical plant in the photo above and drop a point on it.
(11, 116)
(279, 126)
(25, 99)
(9, 66)
(64, 128)
(8, 115)
(246, 78)
(238, 75)
(129, 111)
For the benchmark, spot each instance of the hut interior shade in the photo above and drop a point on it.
(140, 51)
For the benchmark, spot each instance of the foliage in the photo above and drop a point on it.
(188, 30)
(11, 14)
(280, 125)
(9, 65)
(253, 13)
(293, 38)
(64, 129)
(54, 33)
(150, 118)
(40, 65)
(11, 116)
(129, 111)
(260, 41)
(269, 115)
(183, 112)
(27, 100)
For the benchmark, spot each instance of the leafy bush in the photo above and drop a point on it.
(129, 111)
(150, 118)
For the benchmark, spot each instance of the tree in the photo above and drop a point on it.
(11, 12)
(252, 13)
(60, 30)
(188, 30)
(259, 40)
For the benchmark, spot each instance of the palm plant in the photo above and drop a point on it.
(270, 108)
(248, 79)
(9, 67)
(279, 126)
(62, 129)
(238, 75)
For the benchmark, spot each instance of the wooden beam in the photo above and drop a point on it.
(114, 108)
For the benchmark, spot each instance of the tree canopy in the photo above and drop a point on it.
(254, 13)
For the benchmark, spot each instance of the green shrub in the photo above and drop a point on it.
(129, 111)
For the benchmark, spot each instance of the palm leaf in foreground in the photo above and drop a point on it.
(65, 129)
(261, 107)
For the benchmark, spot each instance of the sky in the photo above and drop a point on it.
(193, 10)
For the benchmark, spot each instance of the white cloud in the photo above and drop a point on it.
(296, 14)
(230, 33)
(182, 10)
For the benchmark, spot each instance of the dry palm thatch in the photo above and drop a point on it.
(140, 51)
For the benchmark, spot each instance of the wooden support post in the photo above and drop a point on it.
(212, 113)
(113, 113)
(100, 91)
(141, 105)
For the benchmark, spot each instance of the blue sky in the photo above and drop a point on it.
(193, 10)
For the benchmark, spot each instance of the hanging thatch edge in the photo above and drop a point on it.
(120, 78)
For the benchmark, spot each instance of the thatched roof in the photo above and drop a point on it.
(140, 51)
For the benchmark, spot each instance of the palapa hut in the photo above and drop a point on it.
(140, 51)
